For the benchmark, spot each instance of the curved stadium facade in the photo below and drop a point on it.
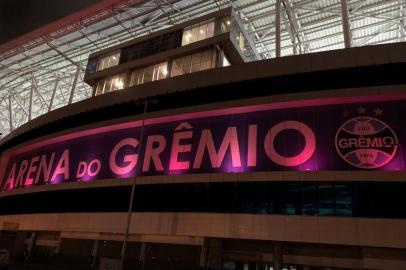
(195, 154)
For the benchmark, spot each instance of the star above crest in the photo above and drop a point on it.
(361, 110)
(378, 112)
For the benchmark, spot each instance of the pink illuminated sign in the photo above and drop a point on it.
(343, 136)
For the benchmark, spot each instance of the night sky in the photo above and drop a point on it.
(21, 16)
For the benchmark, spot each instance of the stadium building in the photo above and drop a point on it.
(207, 135)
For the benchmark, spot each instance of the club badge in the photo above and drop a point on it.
(366, 142)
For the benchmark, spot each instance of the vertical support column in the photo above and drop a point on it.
(402, 24)
(278, 28)
(214, 253)
(277, 256)
(75, 80)
(131, 203)
(346, 24)
(57, 248)
(30, 246)
(93, 256)
(203, 256)
(142, 256)
(51, 102)
(31, 99)
(10, 111)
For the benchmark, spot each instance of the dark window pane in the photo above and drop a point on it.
(343, 200)
(290, 198)
(326, 200)
(309, 199)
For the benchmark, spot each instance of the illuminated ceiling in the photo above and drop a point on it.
(46, 73)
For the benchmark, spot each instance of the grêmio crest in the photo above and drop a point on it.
(366, 142)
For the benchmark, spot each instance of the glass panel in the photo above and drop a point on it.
(198, 32)
(214, 58)
(241, 41)
(290, 199)
(115, 83)
(176, 67)
(148, 74)
(326, 200)
(155, 75)
(101, 64)
(136, 77)
(226, 63)
(225, 25)
(124, 80)
(261, 196)
(91, 66)
(343, 200)
(108, 61)
(193, 63)
(196, 58)
(186, 64)
(210, 29)
(186, 36)
(107, 86)
(114, 60)
(194, 34)
(99, 88)
(309, 200)
(202, 31)
(163, 71)
(206, 60)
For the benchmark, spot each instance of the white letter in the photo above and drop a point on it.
(307, 152)
(10, 179)
(33, 167)
(131, 160)
(20, 176)
(81, 169)
(62, 167)
(153, 153)
(230, 140)
(177, 148)
(46, 169)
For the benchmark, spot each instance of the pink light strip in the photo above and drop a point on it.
(216, 112)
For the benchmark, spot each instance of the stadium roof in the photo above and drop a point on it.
(43, 70)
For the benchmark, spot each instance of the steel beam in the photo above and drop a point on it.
(64, 55)
(10, 112)
(18, 102)
(402, 21)
(278, 28)
(288, 26)
(296, 27)
(33, 86)
(346, 24)
(72, 91)
(377, 33)
(51, 101)
(5, 116)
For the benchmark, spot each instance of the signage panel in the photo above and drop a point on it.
(351, 136)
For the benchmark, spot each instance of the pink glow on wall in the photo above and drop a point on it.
(152, 154)
(217, 112)
(228, 140)
(307, 152)
(252, 150)
(178, 148)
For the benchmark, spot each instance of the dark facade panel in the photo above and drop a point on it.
(341, 199)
